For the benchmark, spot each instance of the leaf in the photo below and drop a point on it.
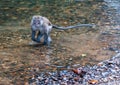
(93, 81)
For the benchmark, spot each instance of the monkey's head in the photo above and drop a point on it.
(37, 20)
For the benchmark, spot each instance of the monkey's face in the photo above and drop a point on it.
(37, 21)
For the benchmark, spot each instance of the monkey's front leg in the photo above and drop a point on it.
(39, 36)
(33, 38)
(33, 35)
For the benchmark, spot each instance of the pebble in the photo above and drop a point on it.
(104, 72)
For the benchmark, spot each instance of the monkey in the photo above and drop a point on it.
(44, 27)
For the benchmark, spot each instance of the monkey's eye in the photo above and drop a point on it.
(38, 22)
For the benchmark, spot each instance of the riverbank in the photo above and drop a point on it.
(104, 73)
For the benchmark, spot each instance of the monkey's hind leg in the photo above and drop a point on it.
(47, 40)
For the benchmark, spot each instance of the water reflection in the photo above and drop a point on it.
(113, 11)
(114, 4)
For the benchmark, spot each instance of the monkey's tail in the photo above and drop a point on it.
(75, 26)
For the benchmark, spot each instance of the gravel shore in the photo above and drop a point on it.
(104, 73)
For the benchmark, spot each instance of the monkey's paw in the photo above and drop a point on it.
(33, 43)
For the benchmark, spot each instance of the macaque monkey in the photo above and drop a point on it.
(43, 26)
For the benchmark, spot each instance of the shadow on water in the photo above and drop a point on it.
(71, 48)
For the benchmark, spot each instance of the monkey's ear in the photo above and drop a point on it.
(32, 20)
(34, 17)
(41, 18)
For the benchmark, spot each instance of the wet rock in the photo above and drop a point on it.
(104, 74)
(54, 78)
(112, 49)
(104, 79)
(63, 83)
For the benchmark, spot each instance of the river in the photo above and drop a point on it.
(71, 48)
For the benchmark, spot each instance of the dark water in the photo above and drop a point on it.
(20, 11)
(114, 10)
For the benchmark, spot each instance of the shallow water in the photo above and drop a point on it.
(71, 48)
